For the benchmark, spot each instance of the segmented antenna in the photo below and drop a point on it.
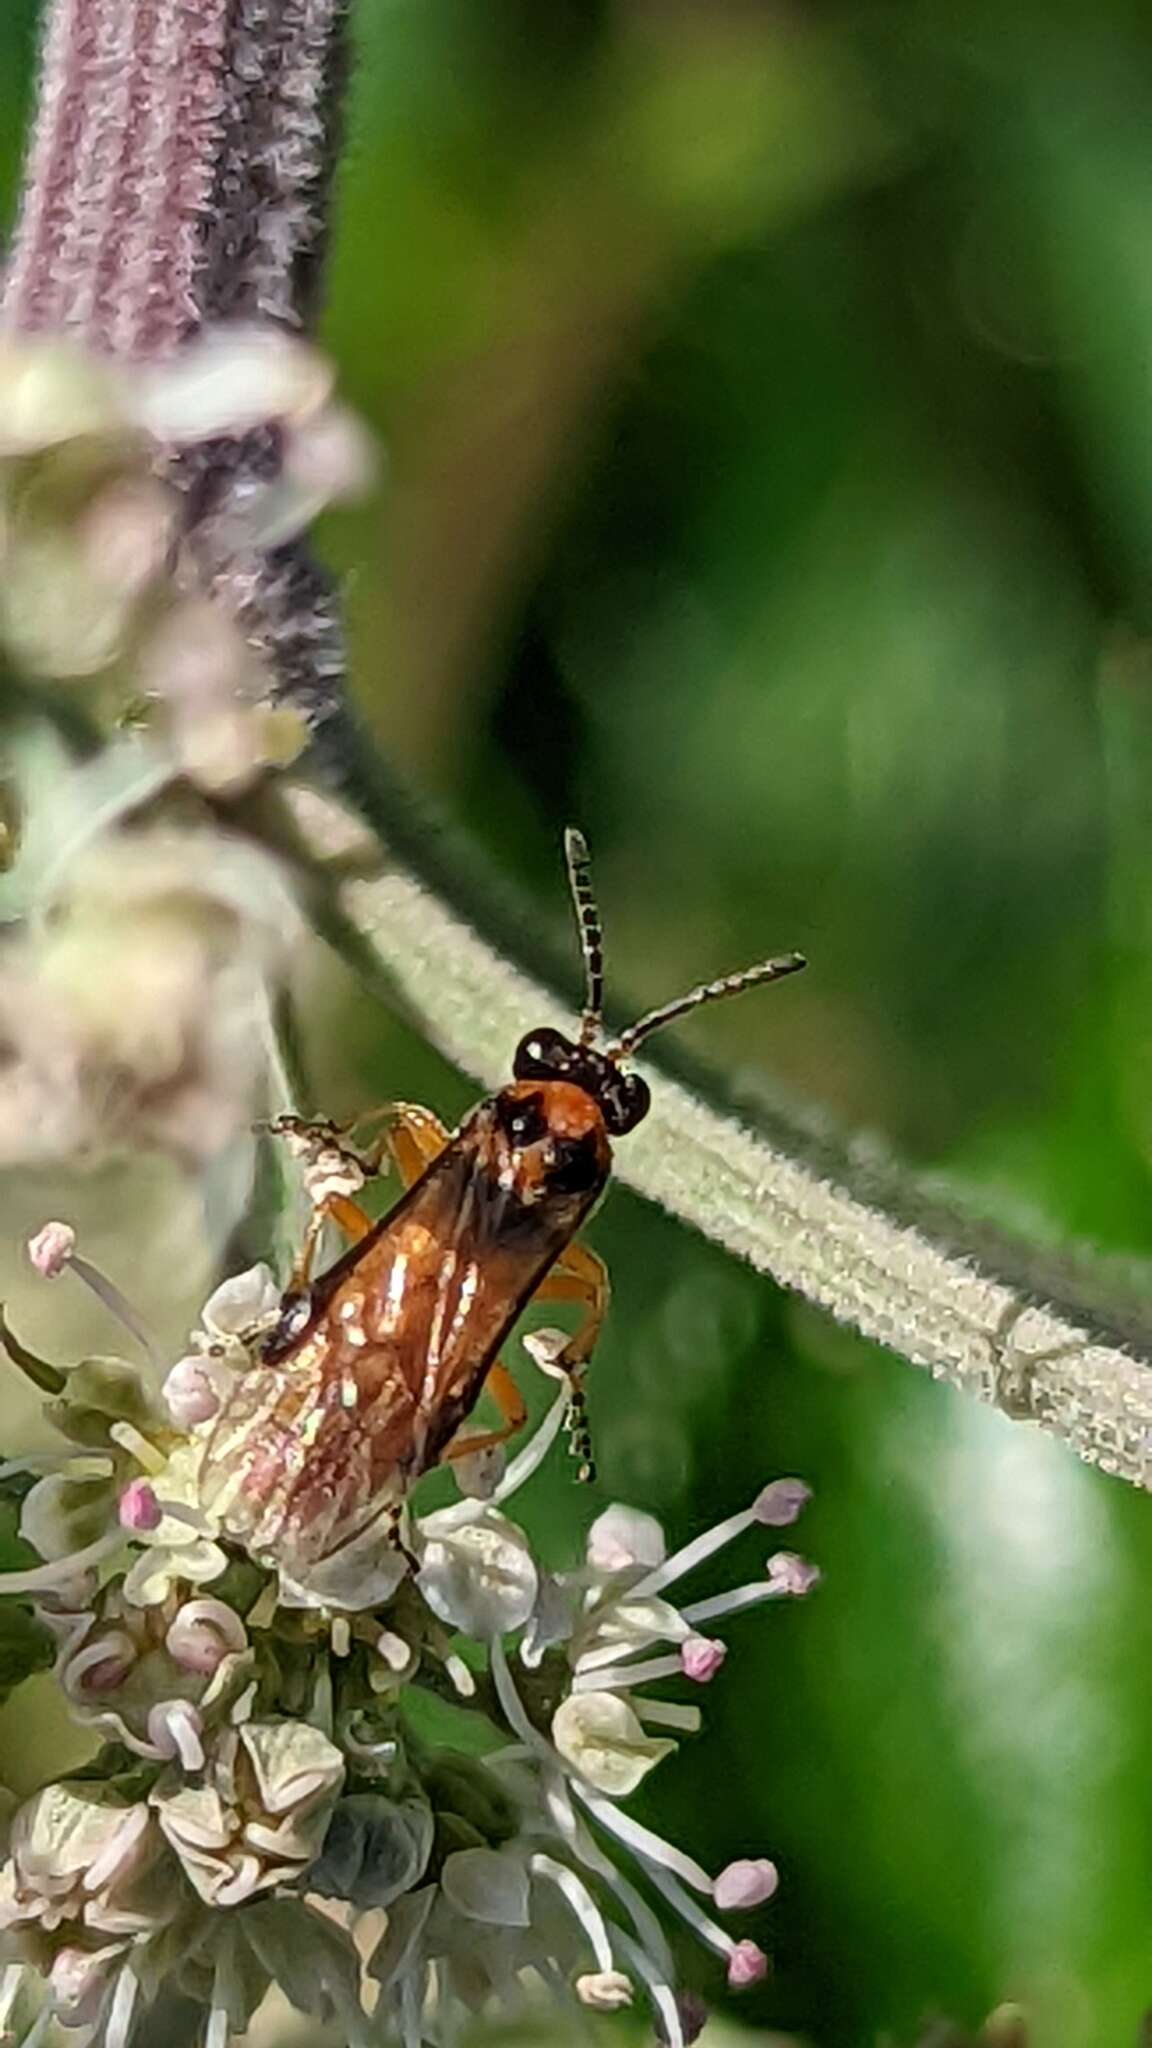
(579, 862)
(708, 992)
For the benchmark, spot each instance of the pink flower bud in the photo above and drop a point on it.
(701, 1658)
(781, 1503)
(747, 1965)
(792, 1575)
(202, 1634)
(747, 1882)
(101, 1666)
(50, 1250)
(139, 1509)
(190, 1393)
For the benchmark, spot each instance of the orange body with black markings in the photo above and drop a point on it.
(372, 1370)
(372, 1367)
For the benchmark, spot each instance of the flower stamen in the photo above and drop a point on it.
(773, 1507)
(53, 1247)
(654, 1852)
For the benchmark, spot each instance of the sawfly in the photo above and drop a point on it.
(373, 1365)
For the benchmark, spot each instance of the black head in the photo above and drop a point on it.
(622, 1099)
(546, 1055)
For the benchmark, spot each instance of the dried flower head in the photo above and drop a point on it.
(101, 559)
(195, 924)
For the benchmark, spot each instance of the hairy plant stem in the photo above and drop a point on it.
(180, 171)
(179, 168)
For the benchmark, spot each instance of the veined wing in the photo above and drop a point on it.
(345, 1412)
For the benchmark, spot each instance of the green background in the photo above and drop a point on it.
(765, 397)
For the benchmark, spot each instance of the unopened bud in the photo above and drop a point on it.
(51, 1249)
(747, 1965)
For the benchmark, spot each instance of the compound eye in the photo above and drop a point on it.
(522, 1119)
(576, 1167)
(541, 1055)
(632, 1099)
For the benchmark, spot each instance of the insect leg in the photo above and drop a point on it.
(414, 1137)
(349, 1217)
(508, 1398)
(331, 1172)
(579, 1276)
(305, 1258)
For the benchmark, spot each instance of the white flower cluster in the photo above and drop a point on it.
(263, 1810)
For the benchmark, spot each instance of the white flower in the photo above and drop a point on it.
(227, 381)
(553, 1618)
(477, 1571)
(235, 1316)
(218, 723)
(625, 1611)
(81, 1859)
(532, 1849)
(622, 1538)
(181, 1549)
(600, 1737)
(239, 1307)
(259, 1818)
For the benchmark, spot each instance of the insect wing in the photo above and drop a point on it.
(394, 1346)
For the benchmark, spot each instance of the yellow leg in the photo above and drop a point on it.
(508, 1398)
(305, 1258)
(325, 1159)
(579, 1276)
(414, 1137)
(349, 1217)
